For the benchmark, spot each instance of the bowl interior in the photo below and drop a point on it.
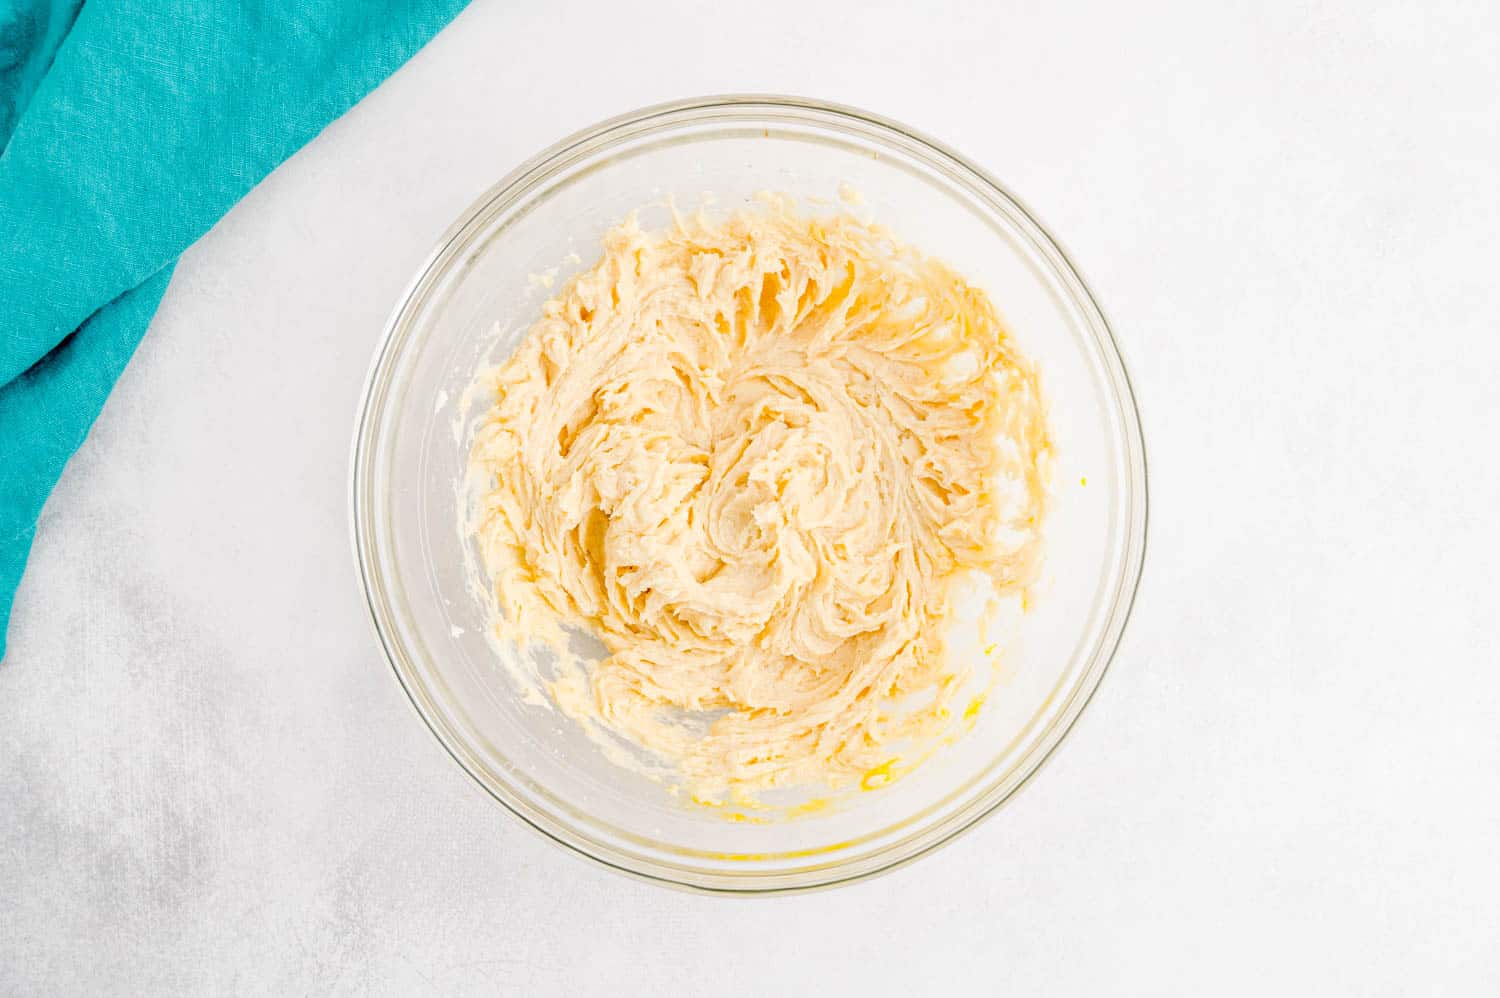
(478, 296)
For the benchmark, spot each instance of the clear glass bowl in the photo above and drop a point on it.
(409, 451)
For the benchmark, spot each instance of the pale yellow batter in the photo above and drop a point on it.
(754, 456)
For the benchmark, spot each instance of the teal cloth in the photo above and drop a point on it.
(129, 127)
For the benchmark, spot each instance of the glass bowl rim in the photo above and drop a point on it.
(642, 122)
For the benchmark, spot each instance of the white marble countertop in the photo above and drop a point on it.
(210, 782)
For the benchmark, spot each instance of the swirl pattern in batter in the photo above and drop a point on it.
(754, 456)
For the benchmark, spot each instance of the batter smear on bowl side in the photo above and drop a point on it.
(755, 455)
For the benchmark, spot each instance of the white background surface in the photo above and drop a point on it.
(1290, 781)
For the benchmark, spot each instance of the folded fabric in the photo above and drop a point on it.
(129, 128)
